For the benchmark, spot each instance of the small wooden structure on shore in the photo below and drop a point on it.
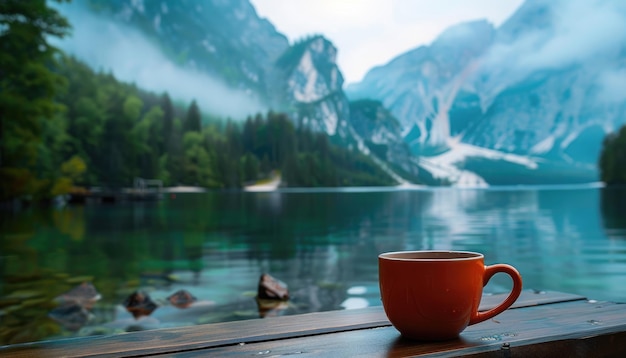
(540, 324)
(142, 190)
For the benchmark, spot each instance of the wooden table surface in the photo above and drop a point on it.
(540, 324)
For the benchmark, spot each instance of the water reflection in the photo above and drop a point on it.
(323, 245)
(613, 207)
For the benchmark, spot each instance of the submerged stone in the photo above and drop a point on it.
(182, 299)
(84, 295)
(70, 315)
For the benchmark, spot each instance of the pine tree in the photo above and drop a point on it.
(168, 122)
(193, 121)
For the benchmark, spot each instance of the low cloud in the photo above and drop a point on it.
(584, 30)
(590, 32)
(106, 45)
(612, 84)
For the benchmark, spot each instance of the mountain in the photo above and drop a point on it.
(420, 86)
(527, 102)
(313, 96)
(556, 92)
(545, 87)
(224, 55)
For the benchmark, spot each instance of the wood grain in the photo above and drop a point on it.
(197, 338)
(570, 329)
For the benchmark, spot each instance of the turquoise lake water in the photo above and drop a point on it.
(323, 244)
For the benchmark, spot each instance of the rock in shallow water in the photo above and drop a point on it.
(139, 304)
(272, 288)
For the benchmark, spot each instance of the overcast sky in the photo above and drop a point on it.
(368, 33)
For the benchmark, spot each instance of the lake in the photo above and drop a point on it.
(323, 244)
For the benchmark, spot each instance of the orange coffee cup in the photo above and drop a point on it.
(434, 295)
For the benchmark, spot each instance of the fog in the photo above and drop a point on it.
(590, 32)
(110, 46)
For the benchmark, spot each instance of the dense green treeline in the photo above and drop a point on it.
(118, 132)
(121, 132)
(304, 157)
(612, 163)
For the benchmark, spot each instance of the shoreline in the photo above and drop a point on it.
(183, 189)
(273, 187)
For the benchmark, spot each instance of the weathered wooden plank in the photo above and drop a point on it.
(230, 333)
(530, 298)
(603, 345)
(576, 329)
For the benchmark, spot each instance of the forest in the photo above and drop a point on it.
(65, 127)
(612, 163)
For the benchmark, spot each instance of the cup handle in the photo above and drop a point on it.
(515, 292)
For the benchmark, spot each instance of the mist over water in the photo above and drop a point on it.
(113, 46)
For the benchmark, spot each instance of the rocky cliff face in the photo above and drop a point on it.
(419, 87)
(313, 86)
(382, 135)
